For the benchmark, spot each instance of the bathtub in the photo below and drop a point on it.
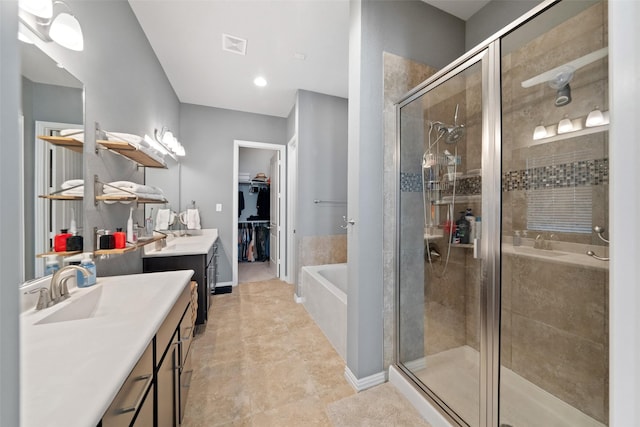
(323, 289)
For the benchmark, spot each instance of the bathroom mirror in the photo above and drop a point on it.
(52, 101)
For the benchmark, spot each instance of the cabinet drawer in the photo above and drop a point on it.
(132, 394)
(170, 324)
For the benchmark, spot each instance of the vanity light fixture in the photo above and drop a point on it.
(61, 27)
(40, 8)
(168, 144)
(260, 81)
(597, 118)
(539, 132)
(565, 125)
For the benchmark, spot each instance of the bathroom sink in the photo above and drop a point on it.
(98, 301)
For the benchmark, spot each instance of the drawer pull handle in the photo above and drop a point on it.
(187, 382)
(147, 378)
(187, 337)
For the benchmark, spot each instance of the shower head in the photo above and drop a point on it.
(452, 133)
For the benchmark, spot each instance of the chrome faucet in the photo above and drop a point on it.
(58, 289)
(539, 243)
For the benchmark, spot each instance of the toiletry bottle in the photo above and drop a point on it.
(469, 216)
(72, 225)
(148, 224)
(51, 264)
(87, 263)
(463, 228)
(75, 243)
(478, 227)
(130, 237)
(107, 240)
(60, 241)
(516, 238)
(120, 239)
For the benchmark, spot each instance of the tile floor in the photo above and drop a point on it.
(254, 272)
(262, 361)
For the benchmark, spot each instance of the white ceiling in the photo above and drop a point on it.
(186, 36)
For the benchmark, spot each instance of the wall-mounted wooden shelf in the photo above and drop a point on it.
(64, 141)
(132, 153)
(129, 248)
(132, 198)
(62, 254)
(60, 197)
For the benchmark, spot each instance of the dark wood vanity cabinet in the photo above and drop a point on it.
(204, 267)
(155, 393)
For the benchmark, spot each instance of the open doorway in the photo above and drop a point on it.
(259, 231)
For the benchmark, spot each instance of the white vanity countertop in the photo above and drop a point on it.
(71, 370)
(198, 244)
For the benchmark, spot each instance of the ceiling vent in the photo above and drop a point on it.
(234, 44)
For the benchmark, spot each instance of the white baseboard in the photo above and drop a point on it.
(298, 299)
(361, 384)
(422, 405)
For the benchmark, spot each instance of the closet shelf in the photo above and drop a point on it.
(132, 198)
(64, 141)
(59, 197)
(132, 153)
(129, 248)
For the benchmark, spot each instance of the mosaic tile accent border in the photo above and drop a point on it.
(572, 174)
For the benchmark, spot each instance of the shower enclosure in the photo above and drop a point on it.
(502, 282)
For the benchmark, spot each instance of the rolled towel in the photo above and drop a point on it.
(116, 187)
(162, 219)
(193, 219)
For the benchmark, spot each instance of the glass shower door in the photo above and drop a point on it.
(440, 273)
(554, 322)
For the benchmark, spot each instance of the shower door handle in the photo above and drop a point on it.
(476, 249)
(347, 222)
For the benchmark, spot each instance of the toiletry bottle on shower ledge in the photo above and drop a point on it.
(463, 227)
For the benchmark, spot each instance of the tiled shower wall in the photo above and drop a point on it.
(319, 250)
(554, 315)
(400, 75)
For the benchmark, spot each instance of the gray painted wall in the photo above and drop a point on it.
(322, 163)
(126, 90)
(420, 32)
(493, 17)
(207, 170)
(9, 211)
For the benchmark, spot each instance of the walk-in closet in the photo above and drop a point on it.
(256, 214)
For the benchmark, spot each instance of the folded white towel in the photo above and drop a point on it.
(193, 219)
(162, 219)
(118, 187)
(77, 134)
(78, 191)
(72, 183)
(127, 137)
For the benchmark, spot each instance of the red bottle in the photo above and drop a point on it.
(121, 238)
(60, 241)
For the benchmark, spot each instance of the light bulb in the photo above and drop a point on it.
(260, 81)
(565, 125)
(539, 132)
(65, 30)
(595, 118)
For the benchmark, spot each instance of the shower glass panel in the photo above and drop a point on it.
(554, 306)
(439, 211)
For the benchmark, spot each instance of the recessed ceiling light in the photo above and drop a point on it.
(260, 81)
(299, 56)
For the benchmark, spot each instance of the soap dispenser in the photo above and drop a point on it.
(51, 264)
(87, 263)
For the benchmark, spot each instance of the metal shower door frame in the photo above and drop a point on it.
(489, 58)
